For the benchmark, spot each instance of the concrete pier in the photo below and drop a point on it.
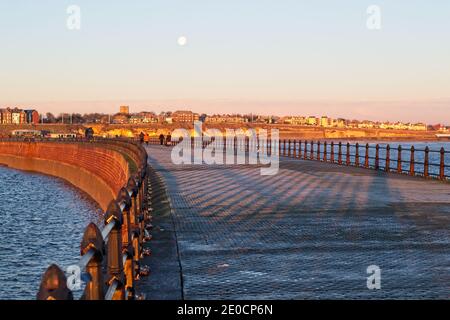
(311, 231)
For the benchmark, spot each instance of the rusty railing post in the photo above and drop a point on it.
(399, 160)
(442, 164)
(412, 171)
(305, 154)
(357, 155)
(114, 250)
(366, 157)
(311, 155)
(388, 158)
(134, 224)
(347, 160)
(325, 152)
(318, 150)
(377, 157)
(294, 152)
(93, 240)
(426, 162)
(332, 152)
(127, 246)
(340, 153)
(54, 285)
(299, 152)
(289, 148)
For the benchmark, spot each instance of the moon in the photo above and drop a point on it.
(182, 41)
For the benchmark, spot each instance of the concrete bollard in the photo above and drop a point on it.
(54, 285)
(93, 240)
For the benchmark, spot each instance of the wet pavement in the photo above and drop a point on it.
(309, 232)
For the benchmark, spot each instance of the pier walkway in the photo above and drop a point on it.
(311, 231)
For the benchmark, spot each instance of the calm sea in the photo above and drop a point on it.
(42, 222)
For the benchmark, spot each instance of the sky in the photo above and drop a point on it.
(305, 57)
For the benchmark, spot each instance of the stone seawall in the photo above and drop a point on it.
(97, 169)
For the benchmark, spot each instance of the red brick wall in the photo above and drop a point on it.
(97, 170)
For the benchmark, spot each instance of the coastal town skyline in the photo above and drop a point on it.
(124, 115)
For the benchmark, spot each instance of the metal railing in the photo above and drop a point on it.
(118, 248)
(413, 161)
(425, 162)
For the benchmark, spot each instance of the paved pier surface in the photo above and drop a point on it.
(311, 231)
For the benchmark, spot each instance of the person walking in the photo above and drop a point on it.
(168, 140)
(161, 139)
(146, 138)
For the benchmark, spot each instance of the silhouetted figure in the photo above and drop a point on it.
(168, 140)
(89, 133)
(146, 138)
(141, 137)
(161, 139)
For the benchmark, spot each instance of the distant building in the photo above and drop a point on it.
(325, 121)
(294, 120)
(217, 119)
(5, 116)
(184, 117)
(17, 116)
(312, 121)
(31, 116)
(120, 118)
(124, 109)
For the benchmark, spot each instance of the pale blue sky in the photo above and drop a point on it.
(266, 56)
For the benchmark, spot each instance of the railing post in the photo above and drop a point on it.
(426, 162)
(357, 155)
(347, 160)
(332, 152)
(311, 155)
(305, 154)
(114, 250)
(388, 158)
(127, 245)
(318, 150)
(325, 152)
(399, 159)
(340, 153)
(93, 240)
(289, 148)
(132, 189)
(299, 153)
(366, 156)
(54, 285)
(412, 171)
(442, 165)
(377, 157)
(294, 152)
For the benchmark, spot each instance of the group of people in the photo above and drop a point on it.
(163, 140)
